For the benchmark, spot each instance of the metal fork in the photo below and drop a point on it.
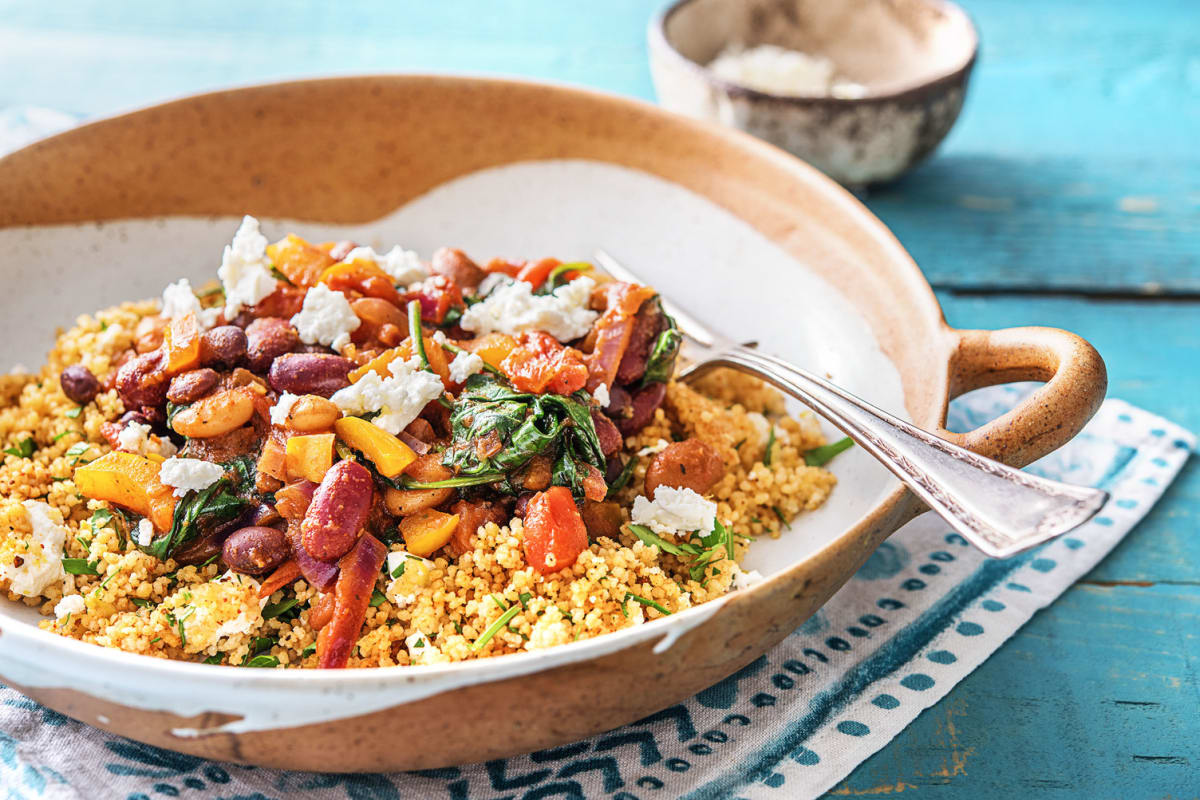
(999, 509)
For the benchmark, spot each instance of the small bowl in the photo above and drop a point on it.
(913, 57)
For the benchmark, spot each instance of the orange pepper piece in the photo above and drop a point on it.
(303, 263)
(130, 481)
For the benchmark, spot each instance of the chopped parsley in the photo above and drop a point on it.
(23, 449)
(272, 610)
(75, 412)
(62, 435)
(494, 628)
(75, 452)
(80, 566)
(378, 598)
(644, 601)
(262, 662)
(769, 454)
(820, 456)
(140, 602)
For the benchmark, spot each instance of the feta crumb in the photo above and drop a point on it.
(245, 270)
(208, 612)
(326, 317)
(514, 308)
(70, 604)
(421, 650)
(135, 437)
(398, 399)
(651, 449)
(464, 366)
(189, 474)
(409, 575)
(178, 299)
(283, 407)
(404, 266)
(600, 395)
(491, 282)
(743, 579)
(145, 533)
(33, 570)
(779, 70)
(676, 509)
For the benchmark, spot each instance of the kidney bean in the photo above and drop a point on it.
(606, 432)
(148, 335)
(375, 314)
(456, 266)
(225, 345)
(79, 384)
(619, 402)
(255, 550)
(310, 373)
(190, 386)
(646, 327)
(265, 514)
(142, 381)
(338, 510)
(216, 414)
(690, 464)
(312, 413)
(268, 338)
(641, 408)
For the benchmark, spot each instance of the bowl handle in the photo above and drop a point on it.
(1075, 378)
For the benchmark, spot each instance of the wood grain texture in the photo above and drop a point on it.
(1074, 168)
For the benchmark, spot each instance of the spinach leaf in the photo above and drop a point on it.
(198, 513)
(526, 425)
(661, 364)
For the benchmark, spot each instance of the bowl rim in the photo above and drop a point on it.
(508, 665)
(661, 44)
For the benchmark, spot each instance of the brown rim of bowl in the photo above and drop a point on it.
(658, 34)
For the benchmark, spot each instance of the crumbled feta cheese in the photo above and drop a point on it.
(32, 570)
(514, 308)
(491, 282)
(778, 70)
(409, 575)
(423, 651)
(70, 604)
(464, 366)
(675, 509)
(743, 579)
(208, 612)
(245, 270)
(398, 399)
(189, 474)
(326, 317)
(178, 299)
(600, 395)
(145, 533)
(283, 407)
(135, 437)
(404, 266)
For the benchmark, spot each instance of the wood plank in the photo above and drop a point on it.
(1095, 697)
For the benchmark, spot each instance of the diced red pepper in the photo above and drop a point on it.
(352, 595)
(539, 363)
(438, 294)
(554, 531)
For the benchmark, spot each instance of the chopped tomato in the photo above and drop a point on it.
(536, 272)
(438, 294)
(554, 531)
(539, 363)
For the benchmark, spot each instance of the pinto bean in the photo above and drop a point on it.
(142, 381)
(338, 510)
(268, 338)
(690, 464)
(190, 386)
(225, 345)
(255, 549)
(79, 384)
(641, 408)
(374, 315)
(456, 266)
(310, 373)
(216, 414)
(312, 413)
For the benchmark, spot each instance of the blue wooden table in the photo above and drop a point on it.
(1068, 195)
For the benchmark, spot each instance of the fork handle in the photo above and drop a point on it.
(999, 509)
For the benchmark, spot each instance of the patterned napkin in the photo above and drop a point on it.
(923, 612)
(920, 615)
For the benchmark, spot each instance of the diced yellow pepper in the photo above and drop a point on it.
(378, 365)
(493, 348)
(309, 457)
(300, 261)
(427, 531)
(130, 481)
(181, 340)
(389, 455)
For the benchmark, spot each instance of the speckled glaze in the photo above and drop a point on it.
(913, 56)
(351, 150)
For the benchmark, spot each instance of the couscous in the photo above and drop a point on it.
(335, 457)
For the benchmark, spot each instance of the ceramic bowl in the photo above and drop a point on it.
(756, 242)
(913, 57)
